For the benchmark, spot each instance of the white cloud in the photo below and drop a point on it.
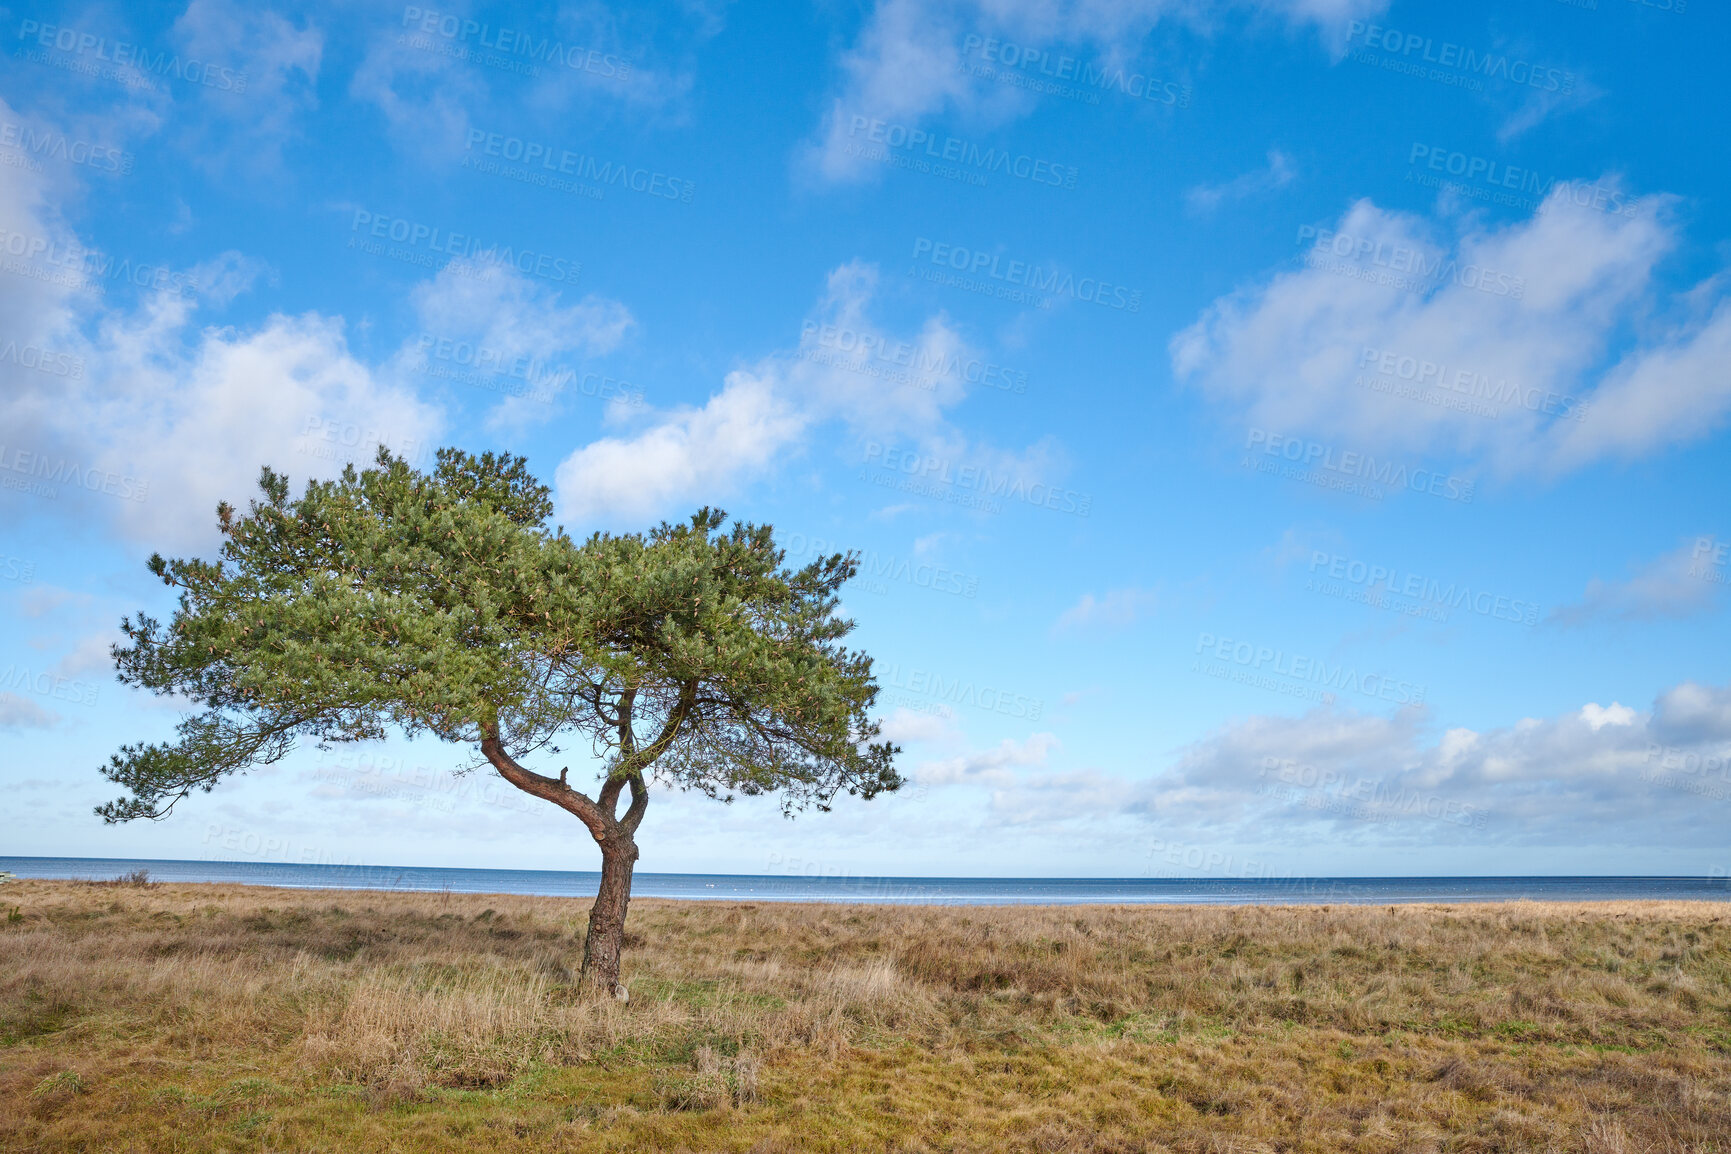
(1611, 768)
(1205, 198)
(1117, 608)
(483, 320)
(41, 600)
(507, 312)
(90, 655)
(1606, 772)
(425, 97)
(904, 65)
(495, 323)
(1077, 796)
(168, 419)
(845, 368)
(1692, 713)
(37, 311)
(1292, 354)
(21, 713)
(280, 61)
(1670, 586)
(992, 767)
(1598, 716)
(692, 454)
(432, 98)
(1670, 392)
(1020, 791)
(197, 422)
(905, 726)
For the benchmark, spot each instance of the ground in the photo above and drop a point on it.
(193, 1018)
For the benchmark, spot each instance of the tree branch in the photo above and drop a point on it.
(548, 789)
(639, 804)
(627, 736)
(608, 798)
(669, 730)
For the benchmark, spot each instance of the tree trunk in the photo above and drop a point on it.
(601, 949)
(615, 836)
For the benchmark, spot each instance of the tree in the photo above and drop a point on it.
(392, 600)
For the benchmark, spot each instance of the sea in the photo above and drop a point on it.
(904, 890)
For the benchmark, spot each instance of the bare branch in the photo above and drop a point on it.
(669, 729)
(639, 805)
(608, 798)
(627, 736)
(547, 788)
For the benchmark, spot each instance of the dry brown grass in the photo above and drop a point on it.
(203, 1018)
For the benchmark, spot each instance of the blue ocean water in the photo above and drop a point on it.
(907, 890)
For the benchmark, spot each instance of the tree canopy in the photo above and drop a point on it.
(442, 603)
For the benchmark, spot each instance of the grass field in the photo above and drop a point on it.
(194, 1018)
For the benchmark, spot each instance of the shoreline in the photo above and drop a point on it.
(1325, 902)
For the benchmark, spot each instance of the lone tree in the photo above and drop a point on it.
(395, 600)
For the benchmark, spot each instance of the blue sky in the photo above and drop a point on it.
(1283, 438)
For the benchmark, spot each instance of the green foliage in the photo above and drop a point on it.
(441, 603)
